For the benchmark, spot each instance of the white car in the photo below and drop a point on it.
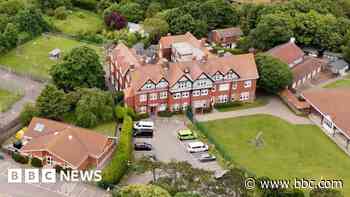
(144, 125)
(196, 147)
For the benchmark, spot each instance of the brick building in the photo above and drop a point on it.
(227, 37)
(186, 75)
(57, 143)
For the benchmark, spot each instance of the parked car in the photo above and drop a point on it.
(143, 125)
(143, 133)
(186, 134)
(206, 158)
(143, 146)
(196, 147)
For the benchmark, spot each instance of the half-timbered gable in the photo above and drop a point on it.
(183, 84)
(203, 81)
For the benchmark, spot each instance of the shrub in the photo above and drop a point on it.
(35, 162)
(61, 13)
(18, 144)
(85, 4)
(19, 158)
(118, 166)
(228, 104)
(90, 37)
(120, 112)
(165, 113)
(141, 116)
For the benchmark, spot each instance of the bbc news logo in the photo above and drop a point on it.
(51, 176)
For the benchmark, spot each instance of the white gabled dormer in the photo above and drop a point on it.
(202, 82)
(149, 85)
(183, 84)
(162, 83)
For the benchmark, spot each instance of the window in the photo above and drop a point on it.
(218, 77)
(143, 109)
(49, 160)
(214, 88)
(233, 97)
(143, 97)
(248, 84)
(184, 106)
(177, 95)
(234, 85)
(204, 92)
(163, 95)
(222, 99)
(153, 96)
(224, 87)
(176, 107)
(244, 96)
(162, 107)
(185, 94)
(196, 93)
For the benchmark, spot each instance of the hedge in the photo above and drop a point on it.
(35, 162)
(19, 158)
(118, 166)
(228, 104)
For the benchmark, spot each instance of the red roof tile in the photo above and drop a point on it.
(287, 53)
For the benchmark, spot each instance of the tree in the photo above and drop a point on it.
(181, 24)
(10, 35)
(133, 12)
(272, 29)
(80, 68)
(115, 21)
(156, 28)
(141, 191)
(28, 112)
(274, 74)
(31, 21)
(325, 193)
(51, 103)
(53, 4)
(153, 9)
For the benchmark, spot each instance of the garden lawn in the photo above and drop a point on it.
(341, 83)
(289, 151)
(7, 99)
(107, 129)
(259, 102)
(79, 21)
(32, 58)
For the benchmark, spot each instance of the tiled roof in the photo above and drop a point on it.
(334, 103)
(229, 32)
(244, 65)
(287, 53)
(125, 57)
(70, 143)
(307, 66)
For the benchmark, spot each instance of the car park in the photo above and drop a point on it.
(144, 125)
(147, 133)
(186, 134)
(206, 157)
(196, 147)
(142, 146)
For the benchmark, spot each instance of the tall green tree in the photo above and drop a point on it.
(80, 68)
(156, 28)
(31, 21)
(274, 74)
(11, 35)
(51, 103)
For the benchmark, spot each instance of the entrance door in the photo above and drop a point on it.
(153, 110)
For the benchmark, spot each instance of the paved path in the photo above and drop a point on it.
(12, 82)
(275, 107)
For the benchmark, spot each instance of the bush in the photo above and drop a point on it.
(165, 113)
(85, 4)
(18, 144)
(61, 13)
(120, 112)
(19, 158)
(118, 166)
(90, 37)
(228, 104)
(141, 116)
(35, 162)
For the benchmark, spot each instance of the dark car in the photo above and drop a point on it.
(143, 133)
(206, 158)
(143, 146)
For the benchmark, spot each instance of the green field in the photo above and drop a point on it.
(289, 151)
(106, 128)
(32, 58)
(79, 21)
(7, 99)
(342, 83)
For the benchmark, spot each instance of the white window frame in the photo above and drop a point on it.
(143, 109)
(224, 87)
(248, 84)
(196, 93)
(162, 107)
(177, 95)
(143, 97)
(234, 85)
(204, 92)
(49, 160)
(244, 96)
(163, 95)
(153, 96)
(176, 107)
(185, 94)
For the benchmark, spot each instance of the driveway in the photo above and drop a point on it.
(59, 189)
(167, 147)
(275, 107)
(12, 82)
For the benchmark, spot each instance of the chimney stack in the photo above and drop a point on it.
(132, 67)
(165, 64)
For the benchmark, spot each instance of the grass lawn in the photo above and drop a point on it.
(7, 99)
(342, 83)
(32, 58)
(106, 128)
(79, 21)
(257, 103)
(289, 151)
